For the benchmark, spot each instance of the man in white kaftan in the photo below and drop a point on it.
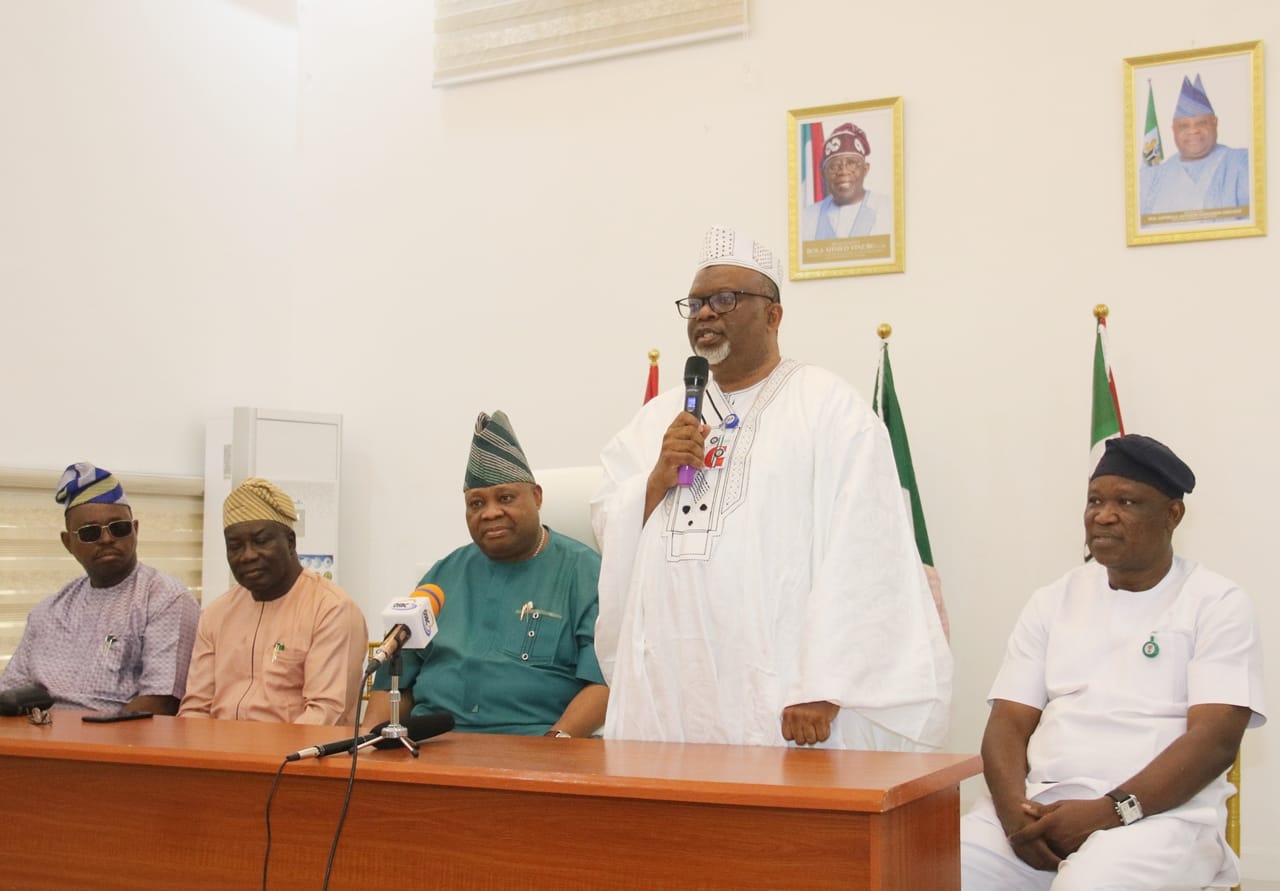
(1124, 693)
(780, 597)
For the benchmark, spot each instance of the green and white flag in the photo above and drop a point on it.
(1152, 149)
(884, 402)
(1106, 405)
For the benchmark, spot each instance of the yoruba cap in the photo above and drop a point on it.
(1146, 460)
(723, 246)
(496, 456)
(258, 499)
(1192, 100)
(83, 483)
(847, 139)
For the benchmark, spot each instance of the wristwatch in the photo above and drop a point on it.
(558, 734)
(1127, 807)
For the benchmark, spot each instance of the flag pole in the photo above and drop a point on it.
(884, 332)
(1100, 312)
(651, 384)
(1104, 421)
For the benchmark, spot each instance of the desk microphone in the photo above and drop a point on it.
(419, 727)
(414, 619)
(21, 700)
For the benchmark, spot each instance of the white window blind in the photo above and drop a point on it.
(477, 39)
(34, 564)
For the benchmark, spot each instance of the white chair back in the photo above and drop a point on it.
(566, 500)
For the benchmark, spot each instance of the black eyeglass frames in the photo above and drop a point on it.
(720, 302)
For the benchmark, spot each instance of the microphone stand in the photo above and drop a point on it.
(394, 729)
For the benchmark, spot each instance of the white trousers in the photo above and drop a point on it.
(1159, 853)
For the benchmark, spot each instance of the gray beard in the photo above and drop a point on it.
(714, 356)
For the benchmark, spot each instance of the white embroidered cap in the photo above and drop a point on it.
(722, 246)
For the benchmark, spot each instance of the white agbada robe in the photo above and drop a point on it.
(787, 575)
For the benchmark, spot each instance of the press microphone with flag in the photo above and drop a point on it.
(696, 372)
(419, 728)
(413, 625)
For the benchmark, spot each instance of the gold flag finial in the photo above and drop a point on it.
(653, 357)
(884, 331)
(1101, 311)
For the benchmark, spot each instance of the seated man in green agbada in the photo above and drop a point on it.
(515, 651)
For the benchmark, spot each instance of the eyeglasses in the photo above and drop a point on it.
(93, 531)
(841, 165)
(720, 302)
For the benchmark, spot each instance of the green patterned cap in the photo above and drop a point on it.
(496, 456)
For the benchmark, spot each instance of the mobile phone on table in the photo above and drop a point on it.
(112, 717)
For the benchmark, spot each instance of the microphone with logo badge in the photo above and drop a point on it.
(415, 624)
(414, 628)
(418, 729)
(696, 373)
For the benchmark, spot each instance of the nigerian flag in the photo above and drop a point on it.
(1152, 149)
(1106, 405)
(884, 402)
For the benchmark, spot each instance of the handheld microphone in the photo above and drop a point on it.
(414, 619)
(419, 728)
(696, 373)
(21, 700)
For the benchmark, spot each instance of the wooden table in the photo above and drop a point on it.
(179, 804)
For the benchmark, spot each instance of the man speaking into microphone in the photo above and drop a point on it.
(514, 650)
(776, 596)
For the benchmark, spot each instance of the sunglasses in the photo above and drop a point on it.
(93, 531)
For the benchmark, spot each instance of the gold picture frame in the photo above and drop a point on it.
(867, 237)
(1222, 192)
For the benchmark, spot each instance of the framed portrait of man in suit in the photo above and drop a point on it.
(1195, 158)
(844, 166)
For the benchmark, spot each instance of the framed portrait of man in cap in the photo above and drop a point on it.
(845, 196)
(1195, 156)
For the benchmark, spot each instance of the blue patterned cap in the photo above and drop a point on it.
(83, 483)
(1192, 101)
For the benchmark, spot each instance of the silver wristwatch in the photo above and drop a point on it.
(1127, 807)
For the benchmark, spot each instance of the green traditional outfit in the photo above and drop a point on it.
(516, 640)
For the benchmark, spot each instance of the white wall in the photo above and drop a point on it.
(234, 203)
(148, 171)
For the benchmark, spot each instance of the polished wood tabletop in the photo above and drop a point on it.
(755, 775)
(180, 802)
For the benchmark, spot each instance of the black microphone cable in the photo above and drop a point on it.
(342, 817)
(346, 799)
(429, 725)
(266, 855)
